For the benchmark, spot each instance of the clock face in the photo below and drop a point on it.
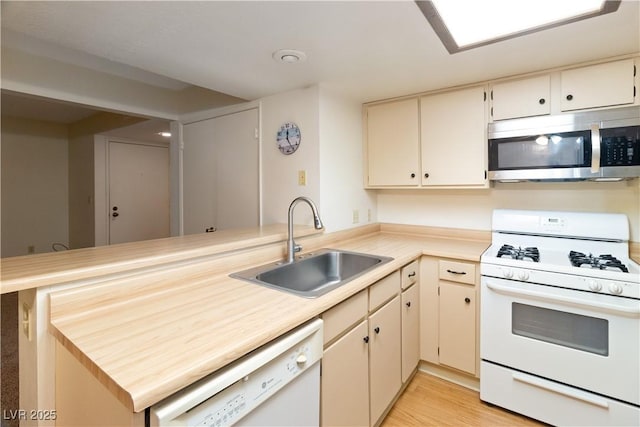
(288, 138)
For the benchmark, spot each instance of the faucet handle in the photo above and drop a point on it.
(296, 248)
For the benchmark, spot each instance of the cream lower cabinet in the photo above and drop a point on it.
(384, 357)
(345, 380)
(449, 314)
(410, 330)
(366, 353)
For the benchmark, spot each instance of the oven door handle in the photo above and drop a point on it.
(632, 312)
(556, 388)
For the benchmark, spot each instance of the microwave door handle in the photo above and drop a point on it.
(595, 148)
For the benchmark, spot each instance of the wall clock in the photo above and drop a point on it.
(288, 138)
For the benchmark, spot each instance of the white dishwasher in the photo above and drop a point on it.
(277, 384)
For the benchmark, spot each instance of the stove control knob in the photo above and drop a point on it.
(615, 288)
(594, 285)
(507, 273)
(523, 275)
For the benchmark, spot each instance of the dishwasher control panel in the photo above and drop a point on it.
(231, 404)
(231, 393)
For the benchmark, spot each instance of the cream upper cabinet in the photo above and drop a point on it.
(521, 98)
(600, 85)
(453, 138)
(393, 144)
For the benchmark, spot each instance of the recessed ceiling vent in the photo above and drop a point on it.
(289, 56)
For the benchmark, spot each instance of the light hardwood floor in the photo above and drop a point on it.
(431, 401)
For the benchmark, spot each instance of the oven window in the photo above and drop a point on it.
(571, 330)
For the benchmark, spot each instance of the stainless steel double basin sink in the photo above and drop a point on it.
(315, 274)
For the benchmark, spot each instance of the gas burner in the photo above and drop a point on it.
(519, 253)
(603, 262)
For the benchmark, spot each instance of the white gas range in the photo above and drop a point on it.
(560, 318)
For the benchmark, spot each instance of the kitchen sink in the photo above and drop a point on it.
(314, 274)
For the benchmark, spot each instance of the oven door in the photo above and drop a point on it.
(582, 339)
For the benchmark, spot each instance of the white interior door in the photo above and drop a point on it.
(220, 173)
(138, 192)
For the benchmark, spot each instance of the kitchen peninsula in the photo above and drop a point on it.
(131, 328)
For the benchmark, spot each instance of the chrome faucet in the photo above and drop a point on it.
(292, 247)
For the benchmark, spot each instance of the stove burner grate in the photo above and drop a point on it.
(519, 253)
(603, 262)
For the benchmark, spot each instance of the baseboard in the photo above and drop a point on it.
(451, 375)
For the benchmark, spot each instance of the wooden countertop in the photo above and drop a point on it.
(33, 271)
(147, 336)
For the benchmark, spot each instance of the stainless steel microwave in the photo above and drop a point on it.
(596, 145)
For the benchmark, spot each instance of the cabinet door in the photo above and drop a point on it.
(521, 98)
(410, 330)
(384, 357)
(458, 326)
(453, 130)
(392, 144)
(345, 380)
(598, 85)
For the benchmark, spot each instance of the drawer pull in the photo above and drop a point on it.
(412, 274)
(456, 272)
(467, 300)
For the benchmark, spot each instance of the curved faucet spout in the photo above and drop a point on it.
(292, 247)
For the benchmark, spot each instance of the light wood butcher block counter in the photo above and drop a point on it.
(147, 336)
(33, 271)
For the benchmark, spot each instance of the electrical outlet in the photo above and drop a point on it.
(356, 216)
(302, 177)
(26, 320)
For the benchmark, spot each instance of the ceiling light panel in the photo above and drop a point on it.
(464, 24)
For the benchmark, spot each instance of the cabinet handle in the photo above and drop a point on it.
(541, 101)
(376, 329)
(408, 304)
(412, 274)
(426, 175)
(413, 175)
(467, 300)
(456, 272)
(366, 339)
(115, 214)
(569, 97)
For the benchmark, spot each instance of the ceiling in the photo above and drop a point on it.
(368, 50)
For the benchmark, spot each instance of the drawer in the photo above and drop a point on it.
(344, 315)
(456, 271)
(551, 402)
(383, 290)
(410, 274)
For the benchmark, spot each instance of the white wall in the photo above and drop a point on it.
(81, 192)
(34, 186)
(279, 171)
(472, 209)
(341, 182)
